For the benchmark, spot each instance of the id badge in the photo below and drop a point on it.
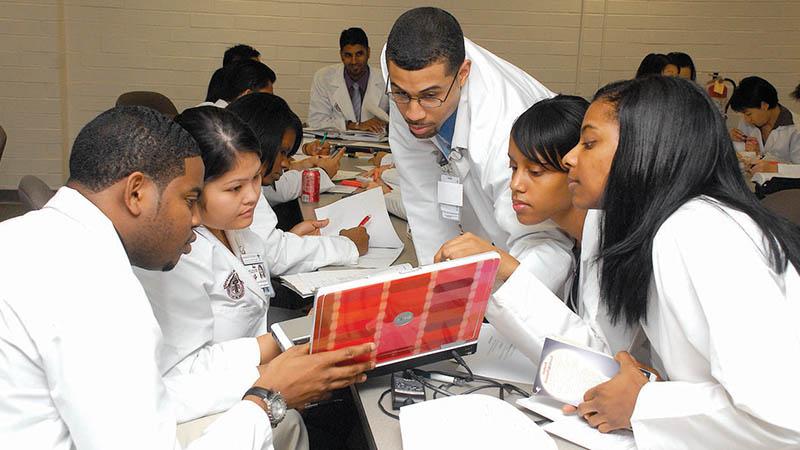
(450, 194)
(255, 265)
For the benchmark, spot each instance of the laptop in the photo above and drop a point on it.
(415, 317)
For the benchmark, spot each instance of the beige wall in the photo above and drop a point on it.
(64, 61)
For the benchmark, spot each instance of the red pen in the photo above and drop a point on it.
(364, 220)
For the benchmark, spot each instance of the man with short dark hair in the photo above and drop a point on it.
(240, 52)
(767, 129)
(349, 96)
(78, 340)
(453, 105)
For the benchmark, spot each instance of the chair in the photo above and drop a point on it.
(2, 141)
(785, 203)
(152, 100)
(33, 192)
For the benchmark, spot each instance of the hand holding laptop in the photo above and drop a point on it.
(302, 378)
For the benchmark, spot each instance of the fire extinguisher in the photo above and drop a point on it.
(718, 91)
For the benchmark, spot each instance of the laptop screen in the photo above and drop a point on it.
(435, 307)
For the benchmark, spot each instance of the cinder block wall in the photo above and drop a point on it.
(64, 61)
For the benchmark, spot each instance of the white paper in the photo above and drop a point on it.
(342, 189)
(379, 257)
(498, 359)
(307, 283)
(365, 168)
(345, 175)
(471, 421)
(378, 145)
(300, 156)
(575, 429)
(349, 211)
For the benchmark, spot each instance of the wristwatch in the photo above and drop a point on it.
(276, 405)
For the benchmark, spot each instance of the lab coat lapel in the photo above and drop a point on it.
(235, 262)
(341, 98)
(375, 97)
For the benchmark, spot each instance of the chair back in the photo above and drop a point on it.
(153, 100)
(33, 192)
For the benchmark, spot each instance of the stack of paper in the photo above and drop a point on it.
(306, 284)
(384, 244)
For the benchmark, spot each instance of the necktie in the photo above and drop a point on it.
(356, 98)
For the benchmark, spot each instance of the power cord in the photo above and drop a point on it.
(453, 379)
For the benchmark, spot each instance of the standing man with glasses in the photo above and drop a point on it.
(349, 96)
(453, 104)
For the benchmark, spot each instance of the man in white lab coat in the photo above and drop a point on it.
(349, 96)
(451, 115)
(78, 340)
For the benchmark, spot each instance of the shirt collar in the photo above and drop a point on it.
(362, 82)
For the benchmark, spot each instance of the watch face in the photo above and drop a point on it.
(278, 408)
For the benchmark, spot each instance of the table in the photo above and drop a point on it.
(381, 431)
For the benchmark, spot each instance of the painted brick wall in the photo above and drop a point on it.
(64, 61)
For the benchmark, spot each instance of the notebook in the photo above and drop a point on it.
(414, 318)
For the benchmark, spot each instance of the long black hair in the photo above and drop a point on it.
(549, 129)
(269, 116)
(220, 134)
(681, 59)
(673, 147)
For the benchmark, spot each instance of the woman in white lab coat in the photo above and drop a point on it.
(767, 129)
(686, 253)
(539, 140)
(289, 252)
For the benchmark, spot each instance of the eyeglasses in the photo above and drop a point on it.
(401, 98)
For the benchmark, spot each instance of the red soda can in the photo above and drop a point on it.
(310, 192)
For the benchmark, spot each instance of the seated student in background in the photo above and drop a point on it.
(684, 64)
(290, 252)
(238, 52)
(78, 367)
(767, 129)
(539, 140)
(212, 307)
(349, 96)
(687, 253)
(656, 64)
(281, 127)
(242, 78)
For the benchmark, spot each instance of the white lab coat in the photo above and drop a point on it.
(722, 329)
(78, 343)
(783, 143)
(495, 94)
(210, 353)
(330, 106)
(289, 253)
(290, 185)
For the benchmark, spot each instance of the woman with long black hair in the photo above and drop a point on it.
(687, 253)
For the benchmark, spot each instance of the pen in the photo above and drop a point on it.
(364, 220)
(324, 136)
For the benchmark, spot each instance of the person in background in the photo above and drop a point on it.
(298, 250)
(78, 363)
(684, 64)
(768, 131)
(242, 78)
(212, 308)
(656, 64)
(453, 105)
(349, 96)
(238, 52)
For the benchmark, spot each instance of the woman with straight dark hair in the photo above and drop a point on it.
(656, 64)
(687, 255)
(684, 64)
(540, 138)
(277, 130)
(212, 307)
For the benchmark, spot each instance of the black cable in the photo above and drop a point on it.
(463, 364)
(425, 383)
(383, 410)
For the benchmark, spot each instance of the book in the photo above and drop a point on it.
(567, 371)
(307, 283)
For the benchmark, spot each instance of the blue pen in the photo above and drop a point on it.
(324, 136)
